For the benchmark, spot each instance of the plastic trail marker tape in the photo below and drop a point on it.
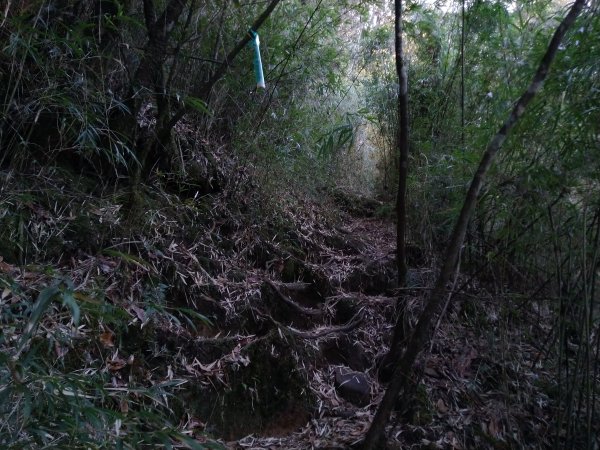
(258, 69)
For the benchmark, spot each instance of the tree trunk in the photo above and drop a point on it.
(421, 334)
(401, 327)
(150, 74)
(402, 143)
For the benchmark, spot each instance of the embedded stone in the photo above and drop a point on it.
(353, 386)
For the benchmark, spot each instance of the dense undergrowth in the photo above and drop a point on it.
(122, 231)
(167, 330)
(158, 279)
(87, 295)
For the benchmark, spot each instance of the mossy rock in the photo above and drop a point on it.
(269, 395)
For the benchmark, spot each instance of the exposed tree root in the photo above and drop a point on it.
(288, 301)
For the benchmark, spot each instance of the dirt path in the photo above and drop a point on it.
(461, 401)
(301, 306)
(358, 263)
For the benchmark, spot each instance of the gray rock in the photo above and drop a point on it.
(353, 386)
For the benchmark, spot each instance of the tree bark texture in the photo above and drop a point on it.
(421, 334)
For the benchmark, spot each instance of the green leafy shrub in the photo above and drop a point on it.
(64, 401)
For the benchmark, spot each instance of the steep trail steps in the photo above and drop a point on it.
(312, 327)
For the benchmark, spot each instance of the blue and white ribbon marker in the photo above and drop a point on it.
(258, 69)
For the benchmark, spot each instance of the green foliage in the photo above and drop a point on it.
(539, 210)
(47, 403)
(71, 96)
(155, 307)
(197, 104)
(55, 104)
(385, 211)
(302, 130)
(335, 140)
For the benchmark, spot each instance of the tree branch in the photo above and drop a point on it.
(226, 63)
(241, 44)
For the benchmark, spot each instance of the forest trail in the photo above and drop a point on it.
(353, 273)
(465, 398)
(185, 258)
(301, 309)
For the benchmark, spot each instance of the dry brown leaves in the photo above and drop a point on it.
(479, 389)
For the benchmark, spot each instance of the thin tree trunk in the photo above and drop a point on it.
(400, 330)
(421, 334)
(150, 74)
(402, 142)
(462, 76)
